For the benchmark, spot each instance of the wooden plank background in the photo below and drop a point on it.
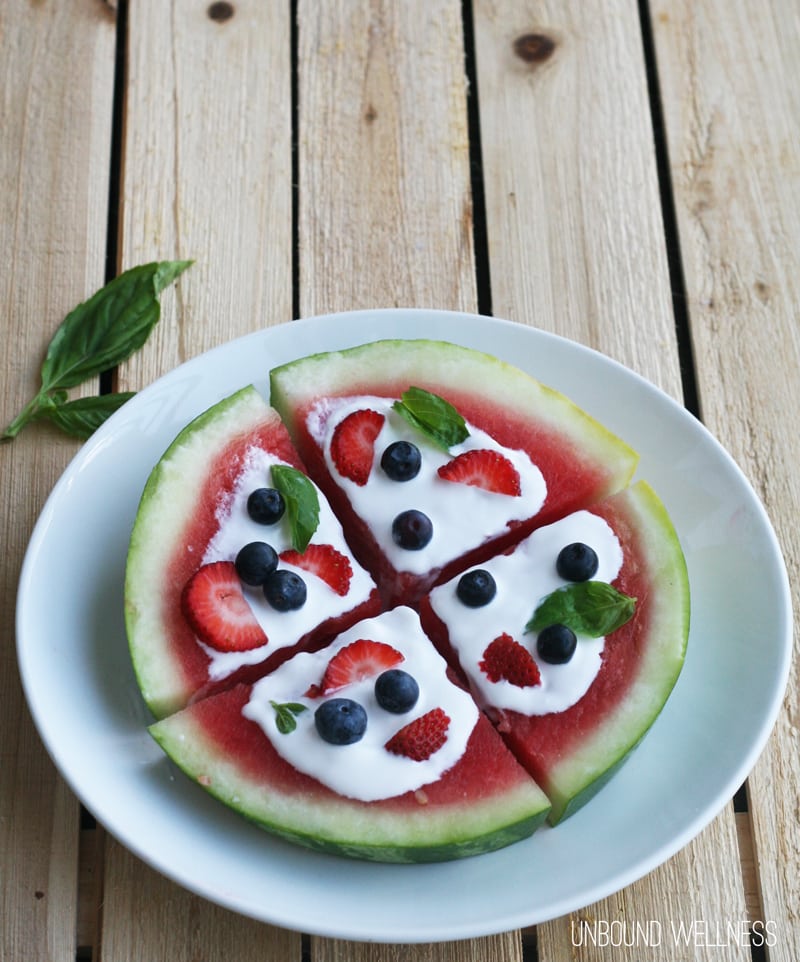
(282, 145)
(732, 112)
(57, 79)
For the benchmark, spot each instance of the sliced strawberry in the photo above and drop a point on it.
(359, 660)
(506, 659)
(422, 737)
(483, 468)
(214, 604)
(353, 444)
(324, 561)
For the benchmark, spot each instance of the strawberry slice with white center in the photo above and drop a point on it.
(324, 561)
(353, 444)
(483, 468)
(419, 739)
(214, 604)
(355, 662)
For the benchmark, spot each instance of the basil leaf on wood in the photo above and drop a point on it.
(96, 336)
(433, 416)
(302, 503)
(83, 416)
(104, 331)
(592, 608)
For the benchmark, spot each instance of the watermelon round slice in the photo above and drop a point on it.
(573, 724)
(192, 516)
(238, 746)
(529, 454)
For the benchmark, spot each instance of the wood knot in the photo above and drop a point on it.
(534, 48)
(220, 11)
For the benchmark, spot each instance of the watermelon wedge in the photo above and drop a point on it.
(529, 454)
(476, 799)
(188, 640)
(574, 727)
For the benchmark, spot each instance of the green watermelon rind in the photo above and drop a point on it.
(340, 826)
(450, 367)
(166, 508)
(611, 743)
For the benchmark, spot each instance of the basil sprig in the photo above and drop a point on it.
(285, 715)
(96, 336)
(433, 416)
(592, 608)
(302, 503)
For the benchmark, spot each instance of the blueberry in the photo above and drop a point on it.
(340, 721)
(401, 461)
(476, 588)
(412, 530)
(396, 691)
(256, 562)
(577, 562)
(266, 505)
(556, 644)
(285, 590)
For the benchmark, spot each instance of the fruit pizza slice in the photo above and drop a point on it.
(573, 641)
(235, 559)
(436, 456)
(366, 748)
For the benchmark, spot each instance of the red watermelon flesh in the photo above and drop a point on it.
(579, 460)
(573, 751)
(481, 802)
(175, 524)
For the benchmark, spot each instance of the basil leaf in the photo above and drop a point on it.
(433, 416)
(285, 715)
(105, 330)
(94, 337)
(83, 416)
(591, 608)
(302, 503)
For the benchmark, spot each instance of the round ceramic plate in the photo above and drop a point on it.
(82, 693)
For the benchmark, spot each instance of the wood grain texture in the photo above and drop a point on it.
(500, 948)
(207, 175)
(385, 209)
(164, 923)
(576, 246)
(732, 111)
(575, 236)
(56, 73)
(207, 171)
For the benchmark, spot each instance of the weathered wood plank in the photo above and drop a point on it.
(385, 210)
(575, 234)
(500, 948)
(572, 202)
(206, 175)
(56, 77)
(732, 113)
(207, 171)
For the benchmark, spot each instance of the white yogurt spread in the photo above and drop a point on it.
(463, 516)
(365, 770)
(523, 579)
(237, 528)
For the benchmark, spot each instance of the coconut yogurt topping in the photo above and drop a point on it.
(236, 528)
(523, 579)
(365, 770)
(462, 515)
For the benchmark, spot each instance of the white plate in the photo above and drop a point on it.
(81, 690)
